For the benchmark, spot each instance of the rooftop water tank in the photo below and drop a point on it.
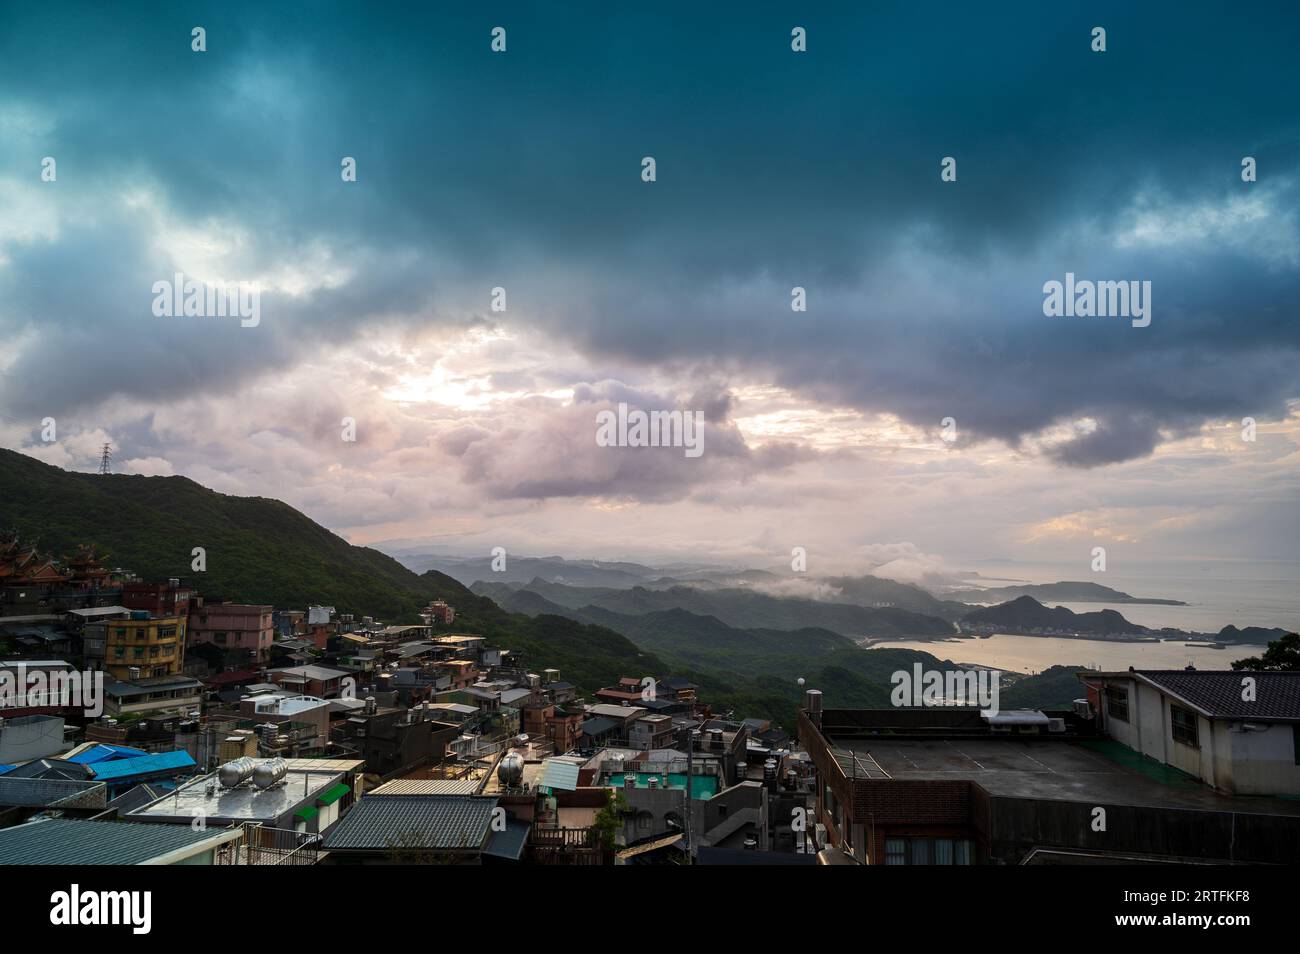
(236, 772)
(511, 770)
(269, 772)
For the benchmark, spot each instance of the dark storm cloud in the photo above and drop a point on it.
(775, 170)
(1118, 439)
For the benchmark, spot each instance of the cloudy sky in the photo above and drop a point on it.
(775, 169)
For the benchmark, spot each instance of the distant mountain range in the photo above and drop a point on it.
(771, 657)
(1025, 615)
(730, 631)
(557, 569)
(741, 608)
(1254, 635)
(260, 550)
(1064, 592)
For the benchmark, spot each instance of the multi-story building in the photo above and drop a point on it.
(171, 598)
(144, 646)
(542, 720)
(439, 612)
(956, 786)
(244, 631)
(321, 681)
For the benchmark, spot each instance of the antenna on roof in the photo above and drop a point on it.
(106, 458)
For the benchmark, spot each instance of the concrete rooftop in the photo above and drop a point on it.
(1049, 769)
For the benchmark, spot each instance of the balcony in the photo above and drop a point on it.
(260, 845)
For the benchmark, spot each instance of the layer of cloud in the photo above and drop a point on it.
(775, 170)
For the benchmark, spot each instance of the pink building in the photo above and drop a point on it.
(238, 628)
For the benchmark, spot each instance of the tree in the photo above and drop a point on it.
(1282, 655)
(609, 820)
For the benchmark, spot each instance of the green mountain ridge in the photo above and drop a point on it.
(261, 550)
(741, 608)
(848, 675)
(1065, 591)
(1025, 612)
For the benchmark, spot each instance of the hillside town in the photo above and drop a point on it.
(310, 735)
(146, 721)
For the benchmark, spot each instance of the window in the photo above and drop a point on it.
(1184, 725)
(928, 851)
(1117, 703)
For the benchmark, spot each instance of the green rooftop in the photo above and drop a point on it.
(702, 786)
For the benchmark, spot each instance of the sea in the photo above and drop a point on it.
(1217, 592)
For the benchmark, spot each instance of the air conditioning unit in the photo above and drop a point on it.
(1055, 725)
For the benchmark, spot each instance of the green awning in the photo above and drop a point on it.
(332, 795)
(307, 813)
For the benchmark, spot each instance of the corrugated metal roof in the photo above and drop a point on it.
(428, 786)
(142, 765)
(102, 751)
(413, 822)
(599, 726)
(325, 765)
(509, 844)
(559, 775)
(72, 841)
(136, 797)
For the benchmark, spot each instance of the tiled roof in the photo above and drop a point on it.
(1219, 694)
(395, 822)
(50, 769)
(71, 841)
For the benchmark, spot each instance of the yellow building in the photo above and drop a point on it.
(143, 647)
